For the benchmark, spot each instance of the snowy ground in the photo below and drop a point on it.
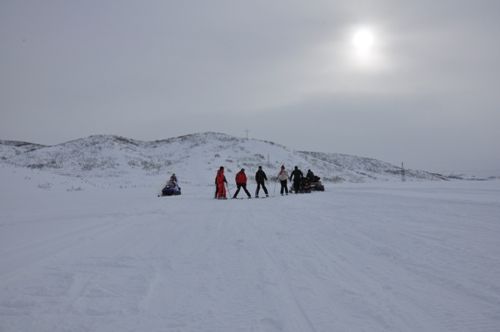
(364, 257)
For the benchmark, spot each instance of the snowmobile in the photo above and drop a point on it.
(170, 190)
(307, 185)
(316, 184)
(304, 186)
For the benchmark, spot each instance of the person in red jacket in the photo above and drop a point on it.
(220, 181)
(241, 182)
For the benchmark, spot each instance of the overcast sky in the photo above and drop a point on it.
(421, 86)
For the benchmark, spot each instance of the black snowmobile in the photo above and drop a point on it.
(304, 186)
(315, 184)
(171, 189)
(314, 181)
(307, 185)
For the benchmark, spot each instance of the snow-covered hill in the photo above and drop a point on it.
(194, 157)
(85, 244)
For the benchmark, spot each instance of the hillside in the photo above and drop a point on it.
(194, 157)
(85, 244)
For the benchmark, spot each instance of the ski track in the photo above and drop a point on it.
(380, 258)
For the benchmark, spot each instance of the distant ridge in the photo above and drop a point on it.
(195, 156)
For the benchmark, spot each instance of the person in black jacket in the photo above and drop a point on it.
(260, 177)
(297, 176)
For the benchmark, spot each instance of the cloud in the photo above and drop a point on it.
(137, 68)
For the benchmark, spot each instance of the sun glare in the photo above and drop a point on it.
(363, 39)
(359, 49)
(364, 47)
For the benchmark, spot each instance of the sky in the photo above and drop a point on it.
(401, 81)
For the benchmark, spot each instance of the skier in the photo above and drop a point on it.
(220, 181)
(260, 177)
(283, 177)
(297, 176)
(241, 182)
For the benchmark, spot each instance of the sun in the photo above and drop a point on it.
(360, 50)
(363, 39)
(364, 45)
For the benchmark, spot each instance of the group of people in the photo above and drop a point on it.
(296, 177)
(241, 182)
(261, 178)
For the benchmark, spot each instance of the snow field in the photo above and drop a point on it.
(372, 257)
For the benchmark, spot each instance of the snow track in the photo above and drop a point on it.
(391, 257)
